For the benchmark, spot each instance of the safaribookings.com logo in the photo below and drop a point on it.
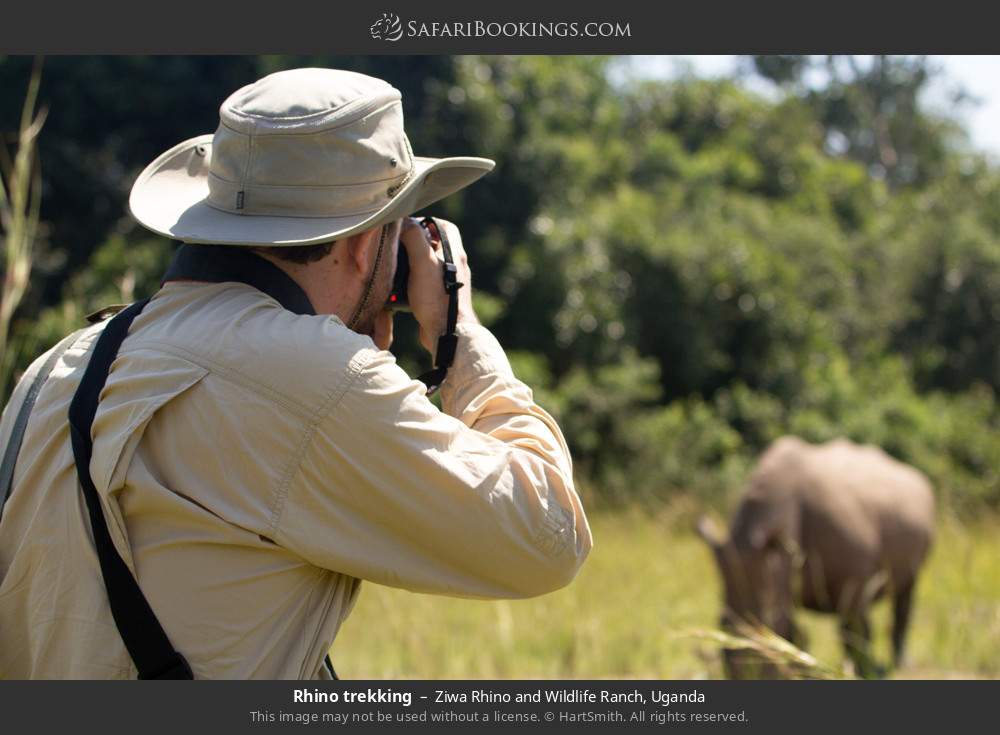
(387, 28)
(390, 28)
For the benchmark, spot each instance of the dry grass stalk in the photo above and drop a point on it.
(20, 199)
(790, 660)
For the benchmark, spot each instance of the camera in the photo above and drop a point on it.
(398, 297)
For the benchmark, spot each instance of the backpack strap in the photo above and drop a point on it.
(144, 638)
(23, 414)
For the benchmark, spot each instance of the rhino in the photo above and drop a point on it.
(831, 528)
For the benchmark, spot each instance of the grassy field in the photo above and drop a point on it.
(648, 584)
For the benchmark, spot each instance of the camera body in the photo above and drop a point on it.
(398, 300)
(398, 296)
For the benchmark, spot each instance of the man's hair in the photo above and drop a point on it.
(301, 254)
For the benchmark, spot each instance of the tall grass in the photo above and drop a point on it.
(648, 585)
(20, 201)
(767, 647)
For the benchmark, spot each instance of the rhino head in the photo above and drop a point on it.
(757, 590)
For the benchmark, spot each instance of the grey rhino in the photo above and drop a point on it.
(832, 528)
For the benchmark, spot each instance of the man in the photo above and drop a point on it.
(257, 451)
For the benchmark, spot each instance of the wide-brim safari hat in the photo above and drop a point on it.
(300, 157)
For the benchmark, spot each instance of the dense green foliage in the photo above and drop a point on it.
(684, 270)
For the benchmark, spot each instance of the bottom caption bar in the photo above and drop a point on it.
(525, 706)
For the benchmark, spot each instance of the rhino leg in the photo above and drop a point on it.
(901, 603)
(855, 631)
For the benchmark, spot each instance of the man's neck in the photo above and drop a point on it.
(319, 280)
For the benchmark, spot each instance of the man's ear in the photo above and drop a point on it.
(359, 252)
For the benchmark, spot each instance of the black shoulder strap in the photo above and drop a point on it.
(147, 643)
(23, 414)
(144, 638)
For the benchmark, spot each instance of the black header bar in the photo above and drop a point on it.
(514, 26)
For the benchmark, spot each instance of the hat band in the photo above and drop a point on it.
(298, 201)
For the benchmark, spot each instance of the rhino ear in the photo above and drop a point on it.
(760, 538)
(710, 532)
(764, 538)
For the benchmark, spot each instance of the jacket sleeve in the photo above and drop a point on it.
(476, 500)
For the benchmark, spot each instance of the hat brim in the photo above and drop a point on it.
(170, 197)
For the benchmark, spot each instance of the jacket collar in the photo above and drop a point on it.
(221, 263)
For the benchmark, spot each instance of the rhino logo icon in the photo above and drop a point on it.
(387, 28)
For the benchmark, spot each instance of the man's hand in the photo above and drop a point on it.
(425, 290)
(382, 336)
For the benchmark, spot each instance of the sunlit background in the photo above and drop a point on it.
(972, 80)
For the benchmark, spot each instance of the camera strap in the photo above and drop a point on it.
(144, 637)
(447, 343)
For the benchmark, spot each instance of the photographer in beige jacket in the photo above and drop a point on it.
(254, 464)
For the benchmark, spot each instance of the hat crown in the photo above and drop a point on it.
(294, 97)
(314, 142)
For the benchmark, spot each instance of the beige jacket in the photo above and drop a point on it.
(254, 465)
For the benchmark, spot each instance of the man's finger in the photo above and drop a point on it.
(406, 237)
